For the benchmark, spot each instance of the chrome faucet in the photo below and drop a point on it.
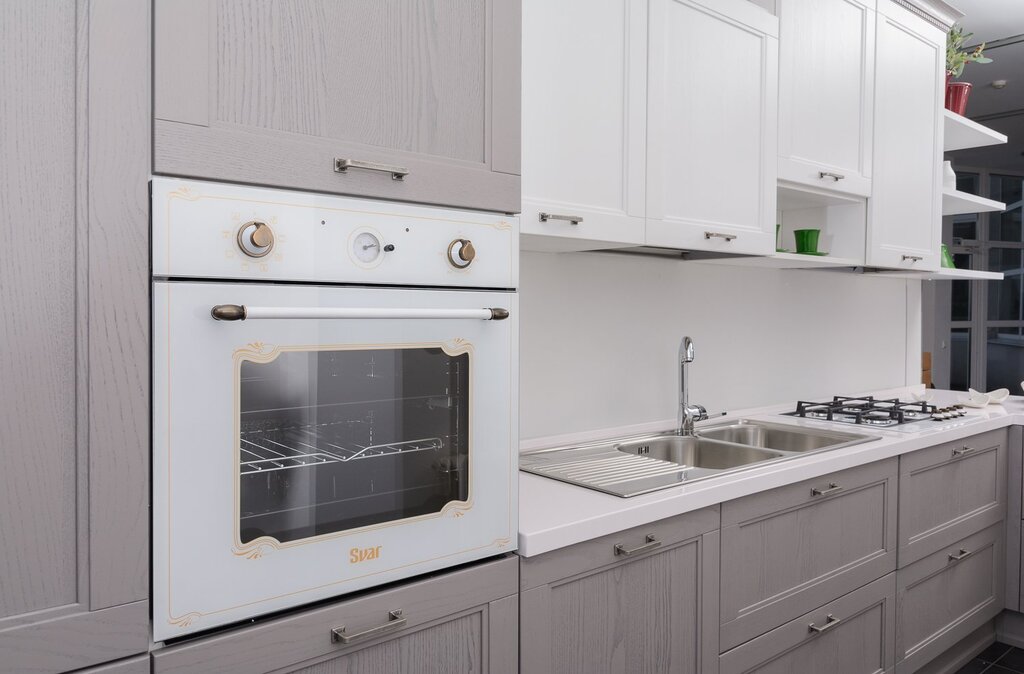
(688, 414)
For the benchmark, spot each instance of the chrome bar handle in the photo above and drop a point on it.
(240, 312)
(395, 622)
(836, 177)
(719, 235)
(651, 543)
(343, 165)
(912, 258)
(830, 622)
(571, 219)
(960, 451)
(964, 552)
(833, 487)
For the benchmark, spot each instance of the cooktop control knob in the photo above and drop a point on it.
(461, 253)
(255, 238)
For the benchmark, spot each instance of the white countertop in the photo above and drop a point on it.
(555, 514)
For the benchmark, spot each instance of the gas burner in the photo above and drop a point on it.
(866, 410)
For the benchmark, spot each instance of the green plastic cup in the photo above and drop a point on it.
(806, 240)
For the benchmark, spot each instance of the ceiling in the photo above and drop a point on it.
(1001, 109)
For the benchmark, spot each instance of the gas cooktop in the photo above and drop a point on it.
(870, 411)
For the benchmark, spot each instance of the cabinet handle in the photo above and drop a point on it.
(832, 488)
(571, 219)
(962, 450)
(343, 165)
(836, 177)
(719, 235)
(830, 622)
(651, 543)
(395, 622)
(912, 258)
(964, 552)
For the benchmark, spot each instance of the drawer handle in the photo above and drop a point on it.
(830, 622)
(395, 622)
(571, 219)
(833, 487)
(964, 552)
(912, 258)
(836, 177)
(343, 165)
(719, 235)
(959, 451)
(651, 543)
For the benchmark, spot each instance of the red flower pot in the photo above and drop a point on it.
(956, 96)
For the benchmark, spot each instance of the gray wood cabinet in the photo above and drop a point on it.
(949, 491)
(460, 621)
(795, 548)
(851, 635)
(643, 600)
(74, 279)
(272, 93)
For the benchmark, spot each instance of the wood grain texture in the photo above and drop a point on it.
(136, 665)
(503, 633)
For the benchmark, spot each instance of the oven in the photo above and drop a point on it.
(335, 397)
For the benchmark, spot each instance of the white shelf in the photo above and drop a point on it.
(793, 196)
(944, 274)
(955, 202)
(962, 133)
(788, 261)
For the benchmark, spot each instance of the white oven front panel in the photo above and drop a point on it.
(282, 475)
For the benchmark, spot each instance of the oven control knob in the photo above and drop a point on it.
(461, 253)
(255, 238)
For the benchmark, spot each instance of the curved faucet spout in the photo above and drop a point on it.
(688, 414)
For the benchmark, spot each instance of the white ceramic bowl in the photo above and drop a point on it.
(999, 395)
(927, 395)
(975, 399)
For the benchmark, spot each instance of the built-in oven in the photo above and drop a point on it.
(335, 397)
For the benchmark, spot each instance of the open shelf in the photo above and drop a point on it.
(789, 261)
(944, 274)
(955, 202)
(962, 133)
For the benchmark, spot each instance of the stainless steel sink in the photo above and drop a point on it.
(696, 452)
(780, 437)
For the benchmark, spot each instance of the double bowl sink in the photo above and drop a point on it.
(632, 466)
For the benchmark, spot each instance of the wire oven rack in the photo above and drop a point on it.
(263, 451)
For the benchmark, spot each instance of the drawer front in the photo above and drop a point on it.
(789, 550)
(950, 491)
(851, 635)
(947, 595)
(452, 611)
(557, 227)
(618, 548)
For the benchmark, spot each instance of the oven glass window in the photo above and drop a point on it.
(334, 440)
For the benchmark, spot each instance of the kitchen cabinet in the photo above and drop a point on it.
(792, 549)
(642, 600)
(275, 94)
(459, 621)
(584, 124)
(712, 126)
(826, 84)
(905, 209)
(74, 411)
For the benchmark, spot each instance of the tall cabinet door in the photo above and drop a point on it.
(905, 209)
(74, 341)
(584, 123)
(422, 97)
(711, 154)
(826, 83)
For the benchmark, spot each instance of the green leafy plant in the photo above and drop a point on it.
(956, 56)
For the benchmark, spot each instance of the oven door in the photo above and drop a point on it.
(335, 439)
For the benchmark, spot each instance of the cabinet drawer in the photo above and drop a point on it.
(852, 634)
(950, 491)
(947, 595)
(842, 529)
(455, 612)
(594, 554)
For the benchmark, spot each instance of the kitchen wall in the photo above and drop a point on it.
(600, 332)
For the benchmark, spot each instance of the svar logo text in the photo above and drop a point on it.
(356, 555)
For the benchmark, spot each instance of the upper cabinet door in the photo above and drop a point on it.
(273, 93)
(905, 209)
(711, 152)
(584, 123)
(826, 71)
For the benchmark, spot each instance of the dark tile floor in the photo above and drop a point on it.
(996, 659)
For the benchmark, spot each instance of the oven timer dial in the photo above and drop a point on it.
(255, 238)
(461, 253)
(366, 247)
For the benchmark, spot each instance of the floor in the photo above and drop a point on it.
(996, 659)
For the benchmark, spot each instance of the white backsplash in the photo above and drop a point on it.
(600, 332)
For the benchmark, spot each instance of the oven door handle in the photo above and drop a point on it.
(240, 312)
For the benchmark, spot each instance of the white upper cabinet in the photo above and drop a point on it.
(904, 212)
(584, 123)
(712, 117)
(826, 83)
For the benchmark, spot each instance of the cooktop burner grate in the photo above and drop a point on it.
(865, 410)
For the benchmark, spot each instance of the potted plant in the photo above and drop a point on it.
(956, 59)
